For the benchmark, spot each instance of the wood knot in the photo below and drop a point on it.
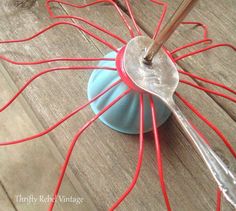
(26, 4)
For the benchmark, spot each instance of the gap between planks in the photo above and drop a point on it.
(123, 8)
(51, 145)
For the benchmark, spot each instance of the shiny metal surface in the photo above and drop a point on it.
(161, 79)
(183, 10)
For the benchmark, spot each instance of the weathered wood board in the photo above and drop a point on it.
(216, 64)
(103, 162)
(30, 169)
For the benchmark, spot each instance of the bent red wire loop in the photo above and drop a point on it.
(91, 4)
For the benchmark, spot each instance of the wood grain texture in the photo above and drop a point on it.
(30, 169)
(104, 161)
(216, 64)
(5, 201)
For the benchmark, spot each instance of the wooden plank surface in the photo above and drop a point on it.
(30, 169)
(5, 201)
(217, 64)
(104, 161)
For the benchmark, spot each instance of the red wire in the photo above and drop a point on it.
(187, 103)
(73, 142)
(163, 14)
(94, 25)
(190, 45)
(48, 71)
(158, 150)
(209, 90)
(127, 2)
(55, 60)
(75, 5)
(140, 158)
(204, 40)
(218, 201)
(205, 49)
(63, 23)
(158, 155)
(63, 119)
(205, 28)
(90, 4)
(210, 124)
(207, 81)
(85, 21)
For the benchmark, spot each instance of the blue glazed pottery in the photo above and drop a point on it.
(124, 115)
